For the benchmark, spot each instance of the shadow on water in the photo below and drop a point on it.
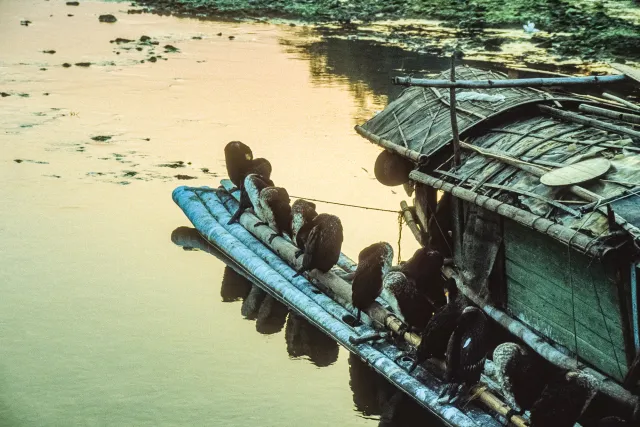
(373, 395)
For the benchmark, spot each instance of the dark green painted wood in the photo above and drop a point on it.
(540, 275)
(587, 308)
(597, 338)
(588, 352)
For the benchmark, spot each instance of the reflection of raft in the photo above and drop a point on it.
(251, 256)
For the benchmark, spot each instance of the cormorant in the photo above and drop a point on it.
(466, 353)
(238, 157)
(322, 248)
(413, 304)
(254, 184)
(424, 267)
(273, 208)
(435, 337)
(374, 263)
(302, 215)
(260, 167)
(563, 400)
(522, 375)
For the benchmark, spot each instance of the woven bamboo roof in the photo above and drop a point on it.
(419, 119)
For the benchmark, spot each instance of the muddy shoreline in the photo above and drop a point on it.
(573, 37)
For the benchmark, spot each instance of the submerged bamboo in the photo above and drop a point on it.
(488, 84)
(621, 101)
(384, 143)
(631, 118)
(577, 118)
(411, 223)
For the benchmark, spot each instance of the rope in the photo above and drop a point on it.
(400, 221)
(348, 205)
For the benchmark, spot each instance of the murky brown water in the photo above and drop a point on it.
(103, 320)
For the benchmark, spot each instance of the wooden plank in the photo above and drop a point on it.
(561, 335)
(576, 173)
(534, 249)
(560, 298)
(585, 331)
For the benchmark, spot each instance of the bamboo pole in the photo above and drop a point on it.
(621, 101)
(631, 118)
(546, 350)
(488, 84)
(559, 232)
(539, 171)
(411, 223)
(577, 118)
(385, 143)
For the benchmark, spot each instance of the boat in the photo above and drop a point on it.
(555, 264)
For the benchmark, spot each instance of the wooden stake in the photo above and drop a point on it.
(454, 116)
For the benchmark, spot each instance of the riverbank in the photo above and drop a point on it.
(572, 33)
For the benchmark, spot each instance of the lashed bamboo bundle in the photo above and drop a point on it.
(583, 120)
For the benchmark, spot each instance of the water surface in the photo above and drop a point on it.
(105, 321)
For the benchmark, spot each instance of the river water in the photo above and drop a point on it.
(105, 321)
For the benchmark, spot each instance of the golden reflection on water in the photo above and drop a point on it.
(103, 320)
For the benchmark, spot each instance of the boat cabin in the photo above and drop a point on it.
(555, 254)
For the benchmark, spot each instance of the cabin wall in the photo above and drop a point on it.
(540, 274)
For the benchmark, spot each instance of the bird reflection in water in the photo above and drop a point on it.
(304, 339)
(374, 396)
(235, 287)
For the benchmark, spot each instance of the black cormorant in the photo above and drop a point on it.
(323, 246)
(302, 214)
(374, 263)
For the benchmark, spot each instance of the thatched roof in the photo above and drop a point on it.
(419, 118)
(419, 122)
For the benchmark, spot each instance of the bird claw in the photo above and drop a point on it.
(273, 236)
(234, 189)
(447, 396)
(257, 224)
(299, 253)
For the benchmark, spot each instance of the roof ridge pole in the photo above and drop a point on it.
(454, 118)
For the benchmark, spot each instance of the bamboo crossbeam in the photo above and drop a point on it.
(609, 388)
(539, 171)
(577, 118)
(489, 84)
(411, 222)
(385, 143)
(621, 101)
(631, 118)
(559, 232)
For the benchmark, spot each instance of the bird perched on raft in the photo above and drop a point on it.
(240, 163)
(466, 353)
(374, 263)
(424, 268)
(261, 168)
(413, 304)
(302, 214)
(322, 248)
(273, 208)
(435, 337)
(256, 183)
(564, 400)
(521, 374)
